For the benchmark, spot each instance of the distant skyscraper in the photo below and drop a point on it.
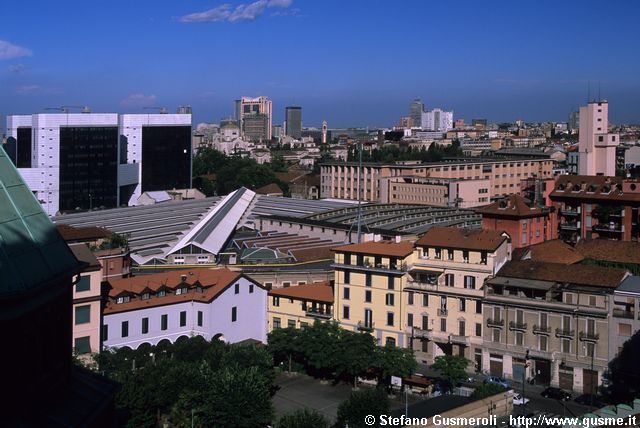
(479, 123)
(246, 107)
(90, 160)
(293, 116)
(596, 147)
(437, 120)
(324, 132)
(184, 110)
(574, 121)
(415, 111)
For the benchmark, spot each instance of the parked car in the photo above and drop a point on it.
(556, 393)
(591, 400)
(498, 381)
(519, 400)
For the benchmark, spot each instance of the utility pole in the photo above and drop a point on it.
(524, 373)
(360, 193)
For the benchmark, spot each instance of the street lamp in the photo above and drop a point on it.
(524, 373)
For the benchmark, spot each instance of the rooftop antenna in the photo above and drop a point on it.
(359, 219)
(599, 97)
(588, 91)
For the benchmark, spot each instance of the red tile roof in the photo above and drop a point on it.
(269, 189)
(319, 292)
(381, 248)
(212, 281)
(466, 239)
(555, 251)
(71, 233)
(593, 276)
(596, 187)
(610, 251)
(510, 206)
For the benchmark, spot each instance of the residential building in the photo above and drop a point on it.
(212, 303)
(368, 292)
(87, 304)
(443, 192)
(293, 118)
(549, 322)
(597, 147)
(445, 290)
(624, 320)
(597, 207)
(300, 306)
(341, 179)
(437, 120)
(259, 127)
(87, 160)
(36, 293)
(526, 225)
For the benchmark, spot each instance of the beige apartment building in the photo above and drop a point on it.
(445, 290)
(87, 303)
(442, 192)
(341, 180)
(549, 322)
(300, 306)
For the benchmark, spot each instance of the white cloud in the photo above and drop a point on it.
(17, 68)
(139, 100)
(37, 90)
(242, 12)
(10, 51)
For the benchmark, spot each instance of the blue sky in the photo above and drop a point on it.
(351, 62)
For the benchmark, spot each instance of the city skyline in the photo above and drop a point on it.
(355, 64)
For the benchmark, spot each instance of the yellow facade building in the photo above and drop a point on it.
(299, 306)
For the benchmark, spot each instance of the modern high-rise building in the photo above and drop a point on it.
(574, 121)
(596, 147)
(293, 116)
(89, 160)
(247, 107)
(437, 120)
(416, 108)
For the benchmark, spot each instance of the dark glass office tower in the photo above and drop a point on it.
(293, 117)
(23, 148)
(166, 157)
(88, 167)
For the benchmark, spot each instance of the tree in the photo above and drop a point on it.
(284, 345)
(452, 367)
(355, 354)
(361, 404)
(303, 418)
(394, 361)
(624, 372)
(238, 397)
(320, 344)
(207, 161)
(486, 390)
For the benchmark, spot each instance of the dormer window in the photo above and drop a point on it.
(198, 289)
(161, 293)
(123, 299)
(450, 254)
(182, 290)
(438, 253)
(145, 296)
(465, 256)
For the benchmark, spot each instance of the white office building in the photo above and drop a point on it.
(437, 120)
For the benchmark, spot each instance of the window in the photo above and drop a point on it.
(438, 253)
(478, 329)
(250, 288)
(105, 332)
(345, 293)
(145, 325)
(469, 282)
(463, 305)
(566, 346)
(390, 341)
(410, 297)
(410, 320)
(145, 296)
(164, 322)
(544, 342)
(124, 329)
(83, 314)
(276, 323)
(367, 296)
(123, 299)
(345, 312)
(450, 254)
(496, 335)
(624, 330)
(183, 318)
(519, 338)
(83, 345)
(465, 256)
(234, 314)
(303, 325)
(237, 288)
(276, 301)
(291, 324)
(368, 318)
(478, 306)
(592, 301)
(568, 297)
(83, 284)
(200, 318)
(543, 319)
(347, 277)
(443, 324)
(286, 284)
(449, 279)
(268, 285)
(368, 279)
(425, 300)
(391, 282)
(161, 293)
(390, 299)
(462, 328)
(390, 318)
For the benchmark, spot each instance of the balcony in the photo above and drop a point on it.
(561, 332)
(621, 313)
(459, 339)
(541, 329)
(443, 312)
(421, 333)
(315, 313)
(588, 336)
(362, 326)
(398, 269)
(517, 326)
(608, 228)
(495, 323)
(570, 211)
(444, 263)
(570, 225)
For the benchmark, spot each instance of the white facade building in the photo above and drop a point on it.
(437, 120)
